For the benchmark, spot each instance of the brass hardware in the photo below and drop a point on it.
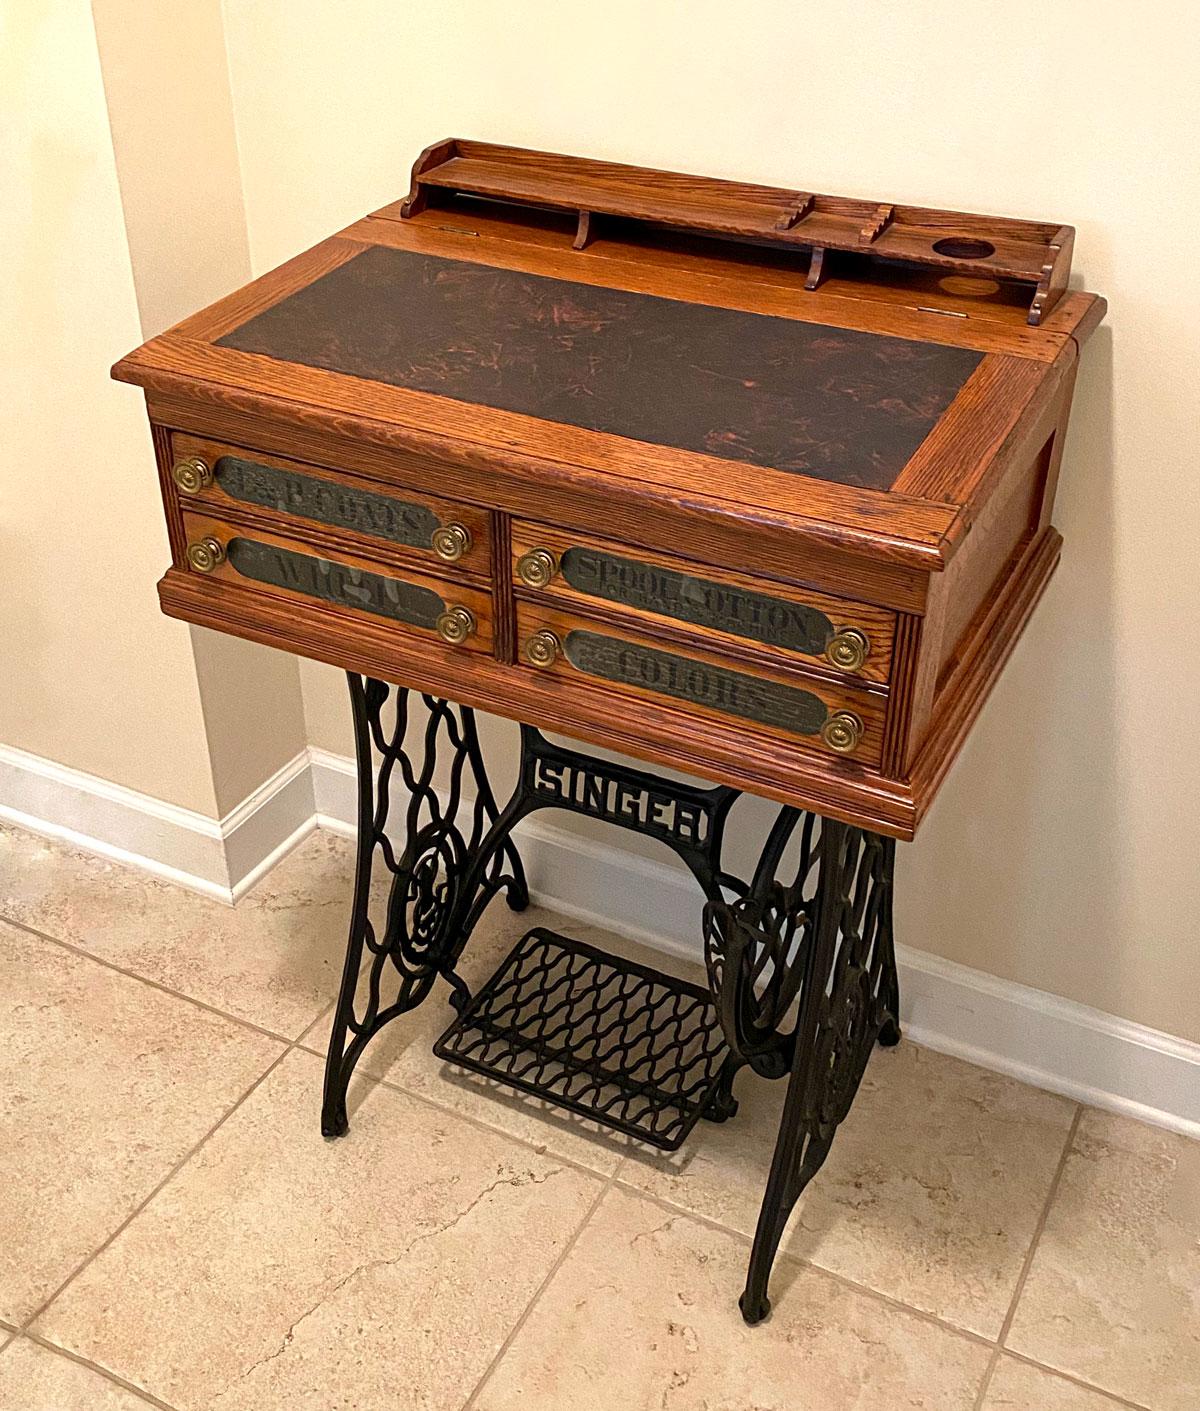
(455, 625)
(543, 648)
(536, 568)
(848, 648)
(451, 541)
(205, 554)
(192, 474)
(842, 731)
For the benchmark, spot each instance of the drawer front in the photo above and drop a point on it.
(729, 608)
(214, 478)
(455, 613)
(841, 721)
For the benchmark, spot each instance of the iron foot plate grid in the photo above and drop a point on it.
(631, 1048)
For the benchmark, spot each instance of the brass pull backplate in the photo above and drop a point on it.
(842, 731)
(192, 474)
(456, 624)
(848, 649)
(451, 541)
(205, 554)
(537, 568)
(543, 648)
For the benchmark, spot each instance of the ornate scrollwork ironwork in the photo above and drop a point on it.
(800, 959)
(829, 939)
(452, 862)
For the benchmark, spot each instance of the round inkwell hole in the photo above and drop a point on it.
(961, 249)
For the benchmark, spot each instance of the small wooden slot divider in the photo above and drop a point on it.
(1032, 253)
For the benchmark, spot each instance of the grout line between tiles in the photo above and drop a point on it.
(784, 1256)
(673, 1209)
(179, 1165)
(1112, 1396)
(542, 1148)
(541, 1289)
(102, 1371)
(1027, 1262)
(806, 1263)
(166, 989)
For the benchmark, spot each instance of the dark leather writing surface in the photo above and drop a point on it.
(833, 403)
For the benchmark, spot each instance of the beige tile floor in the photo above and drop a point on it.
(175, 1233)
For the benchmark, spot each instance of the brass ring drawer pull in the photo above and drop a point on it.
(842, 731)
(451, 541)
(543, 648)
(455, 625)
(192, 474)
(848, 648)
(205, 554)
(537, 568)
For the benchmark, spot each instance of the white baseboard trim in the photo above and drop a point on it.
(221, 858)
(1010, 1028)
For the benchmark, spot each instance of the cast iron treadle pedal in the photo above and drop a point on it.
(618, 1042)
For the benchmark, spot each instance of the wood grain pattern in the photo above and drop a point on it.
(713, 749)
(849, 407)
(901, 529)
(215, 499)
(870, 707)
(877, 624)
(708, 658)
(386, 456)
(353, 575)
(1036, 253)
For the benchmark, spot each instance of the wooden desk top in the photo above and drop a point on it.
(731, 448)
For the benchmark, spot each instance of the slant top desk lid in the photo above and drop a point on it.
(854, 392)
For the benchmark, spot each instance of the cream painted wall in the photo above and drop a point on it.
(166, 81)
(1061, 851)
(91, 675)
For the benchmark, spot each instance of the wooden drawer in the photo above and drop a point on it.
(272, 563)
(364, 516)
(732, 610)
(698, 682)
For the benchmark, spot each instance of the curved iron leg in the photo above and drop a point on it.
(847, 1001)
(450, 865)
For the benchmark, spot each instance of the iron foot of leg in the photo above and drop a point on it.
(334, 1122)
(723, 1105)
(825, 945)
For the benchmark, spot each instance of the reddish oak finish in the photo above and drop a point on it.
(877, 624)
(1035, 253)
(941, 570)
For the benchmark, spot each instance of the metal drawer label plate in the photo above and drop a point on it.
(336, 582)
(697, 682)
(757, 617)
(326, 502)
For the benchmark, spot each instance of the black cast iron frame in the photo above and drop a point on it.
(802, 971)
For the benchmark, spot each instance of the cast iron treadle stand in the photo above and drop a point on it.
(802, 972)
